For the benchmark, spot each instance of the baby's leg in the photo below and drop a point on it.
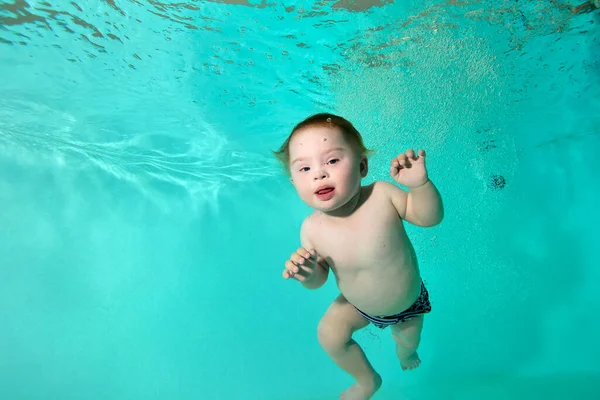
(407, 336)
(335, 335)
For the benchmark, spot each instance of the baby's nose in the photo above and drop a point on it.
(320, 174)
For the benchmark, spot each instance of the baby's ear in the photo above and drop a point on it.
(364, 167)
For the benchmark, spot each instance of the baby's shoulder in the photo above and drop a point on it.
(382, 185)
(310, 221)
(381, 190)
(307, 229)
(384, 195)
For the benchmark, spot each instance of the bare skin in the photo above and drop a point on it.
(407, 336)
(357, 232)
(335, 331)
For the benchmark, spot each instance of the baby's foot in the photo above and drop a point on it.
(360, 391)
(411, 361)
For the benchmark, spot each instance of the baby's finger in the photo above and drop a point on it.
(292, 267)
(299, 277)
(310, 255)
(404, 161)
(287, 274)
(304, 253)
(298, 259)
(422, 153)
(410, 153)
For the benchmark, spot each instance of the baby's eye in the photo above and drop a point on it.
(304, 169)
(333, 161)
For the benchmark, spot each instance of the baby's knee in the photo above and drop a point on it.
(332, 336)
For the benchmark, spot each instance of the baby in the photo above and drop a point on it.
(357, 232)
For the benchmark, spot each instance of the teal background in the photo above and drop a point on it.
(144, 222)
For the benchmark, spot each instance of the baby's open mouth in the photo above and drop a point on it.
(324, 190)
(325, 193)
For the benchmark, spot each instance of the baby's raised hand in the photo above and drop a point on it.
(301, 265)
(409, 169)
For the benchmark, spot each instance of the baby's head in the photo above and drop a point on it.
(326, 160)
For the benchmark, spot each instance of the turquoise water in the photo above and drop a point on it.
(144, 222)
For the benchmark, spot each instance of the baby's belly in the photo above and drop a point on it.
(385, 294)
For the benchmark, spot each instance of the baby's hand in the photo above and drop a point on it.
(409, 169)
(301, 265)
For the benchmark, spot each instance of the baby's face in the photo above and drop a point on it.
(324, 168)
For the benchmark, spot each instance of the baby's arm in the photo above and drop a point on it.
(421, 206)
(321, 272)
(424, 204)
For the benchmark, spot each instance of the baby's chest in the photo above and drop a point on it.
(362, 243)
